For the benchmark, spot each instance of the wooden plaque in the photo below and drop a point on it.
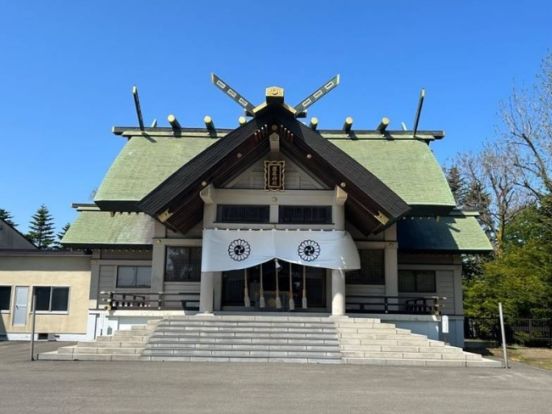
(274, 175)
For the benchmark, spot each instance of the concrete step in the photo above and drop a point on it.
(180, 344)
(353, 320)
(128, 338)
(399, 348)
(261, 341)
(391, 342)
(366, 326)
(387, 336)
(246, 318)
(245, 324)
(485, 363)
(112, 344)
(54, 356)
(250, 359)
(371, 331)
(98, 350)
(241, 353)
(405, 355)
(236, 329)
(227, 334)
(132, 332)
(246, 347)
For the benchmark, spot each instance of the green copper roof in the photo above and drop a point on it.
(94, 227)
(446, 234)
(144, 163)
(408, 167)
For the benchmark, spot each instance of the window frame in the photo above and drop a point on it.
(188, 280)
(326, 208)
(50, 311)
(379, 282)
(263, 220)
(417, 275)
(8, 309)
(135, 277)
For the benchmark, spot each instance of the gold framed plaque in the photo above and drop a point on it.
(274, 175)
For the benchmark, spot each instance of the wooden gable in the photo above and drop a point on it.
(371, 205)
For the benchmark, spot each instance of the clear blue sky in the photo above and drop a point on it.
(67, 69)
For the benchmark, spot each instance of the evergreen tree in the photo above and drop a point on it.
(42, 232)
(456, 184)
(60, 235)
(478, 199)
(7, 217)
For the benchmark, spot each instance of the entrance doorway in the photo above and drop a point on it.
(275, 281)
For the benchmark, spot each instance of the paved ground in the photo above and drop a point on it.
(135, 387)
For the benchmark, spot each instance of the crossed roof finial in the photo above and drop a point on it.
(275, 95)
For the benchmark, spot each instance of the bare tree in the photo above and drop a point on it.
(492, 189)
(528, 129)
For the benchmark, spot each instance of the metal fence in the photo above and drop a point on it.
(532, 332)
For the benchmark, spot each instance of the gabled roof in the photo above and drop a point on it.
(143, 164)
(406, 165)
(177, 200)
(11, 238)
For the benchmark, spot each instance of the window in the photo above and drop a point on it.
(52, 299)
(234, 213)
(183, 264)
(372, 269)
(417, 281)
(133, 276)
(305, 214)
(5, 296)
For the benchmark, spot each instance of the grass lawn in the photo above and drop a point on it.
(537, 357)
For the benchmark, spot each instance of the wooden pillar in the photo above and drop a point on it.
(338, 292)
(391, 270)
(206, 293)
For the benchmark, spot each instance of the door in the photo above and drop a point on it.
(275, 278)
(21, 305)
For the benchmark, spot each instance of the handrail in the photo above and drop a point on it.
(416, 305)
(149, 300)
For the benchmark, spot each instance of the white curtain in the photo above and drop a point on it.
(239, 249)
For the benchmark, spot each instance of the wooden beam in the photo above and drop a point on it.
(210, 125)
(418, 111)
(316, 95)
(348, 124)
(138, 107)
(314, 123)
(175, 125)
(207, 194)
(384, 123)
(340, 196)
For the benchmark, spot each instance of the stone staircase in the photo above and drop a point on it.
(121, 346)
(245, 339)
(265, 338)
(368, 341)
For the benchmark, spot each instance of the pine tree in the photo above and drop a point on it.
(456, 184)
(60, 235)
(7, 217)
(42, 232)
(478, 199)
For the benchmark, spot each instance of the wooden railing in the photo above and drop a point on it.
(151, 300)
(429, 305)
